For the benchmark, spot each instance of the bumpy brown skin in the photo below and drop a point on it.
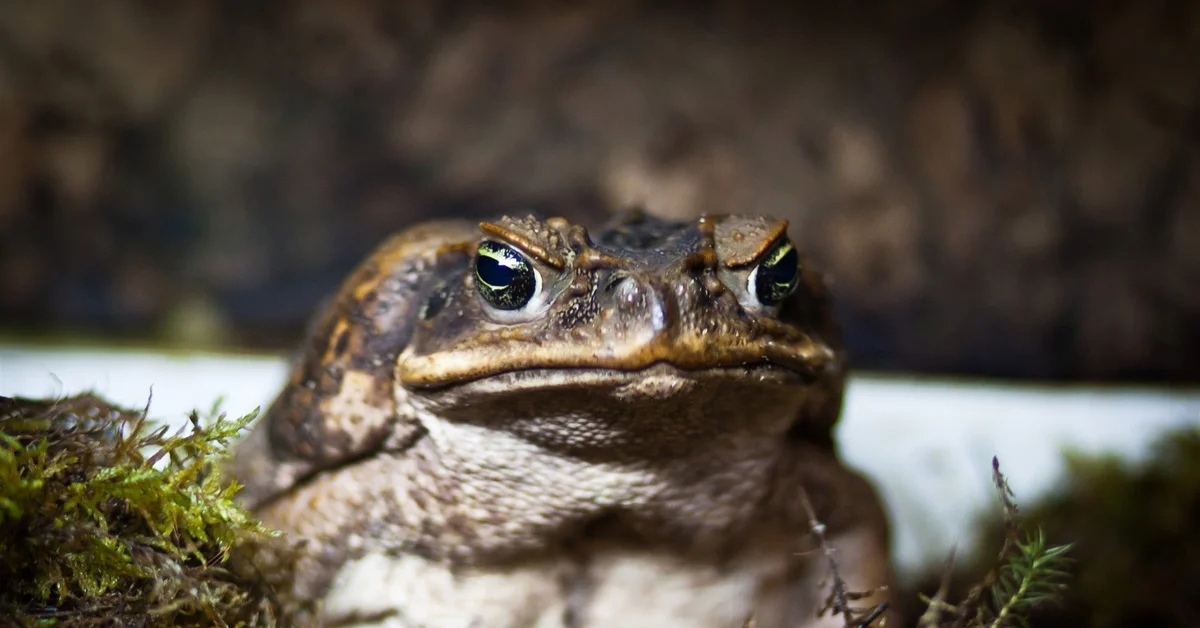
(627, 450)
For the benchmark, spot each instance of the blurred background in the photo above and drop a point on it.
(998, 188)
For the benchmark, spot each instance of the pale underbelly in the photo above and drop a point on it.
(610, 587)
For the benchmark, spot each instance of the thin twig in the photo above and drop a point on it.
(1012, 527)
(932, 617)
(839, 592)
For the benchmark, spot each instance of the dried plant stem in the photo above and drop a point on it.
(839, 592)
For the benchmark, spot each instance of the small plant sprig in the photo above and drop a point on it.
(1035, 575)
(1028, 573)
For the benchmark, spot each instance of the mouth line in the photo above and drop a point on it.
(809, 360)
(583, 373)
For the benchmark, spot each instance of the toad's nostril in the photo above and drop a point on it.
(640, 298)
(629, 295)
(615, 280)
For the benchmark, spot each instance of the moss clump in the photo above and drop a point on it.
(106, 519)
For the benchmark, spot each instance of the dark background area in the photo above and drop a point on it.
(997, 188)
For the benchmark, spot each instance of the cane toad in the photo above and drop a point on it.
(518, 423)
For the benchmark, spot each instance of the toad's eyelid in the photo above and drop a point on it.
(528, 246)
(778, 233)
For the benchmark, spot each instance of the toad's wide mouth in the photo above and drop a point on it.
(512, 366)
(662, 373)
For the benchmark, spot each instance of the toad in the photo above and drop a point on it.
(521, 423)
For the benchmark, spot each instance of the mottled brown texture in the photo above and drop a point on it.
(643, 416)
(338, 404)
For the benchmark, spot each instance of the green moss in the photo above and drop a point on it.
(107, 519)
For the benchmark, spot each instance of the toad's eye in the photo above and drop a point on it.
(504, 277)
(777, 274)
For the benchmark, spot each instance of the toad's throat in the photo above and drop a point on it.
(809, 360)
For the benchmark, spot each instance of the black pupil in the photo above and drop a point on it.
(778, 274)
(503, 276)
